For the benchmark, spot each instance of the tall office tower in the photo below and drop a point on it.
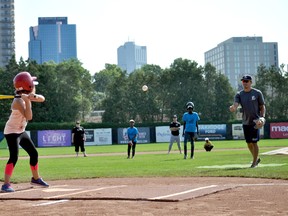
(242, 55)
(52, 40)
(131, 57)
(7, 35)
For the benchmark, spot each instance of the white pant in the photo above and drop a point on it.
(172, 140)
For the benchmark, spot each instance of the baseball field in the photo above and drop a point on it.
(219, 182)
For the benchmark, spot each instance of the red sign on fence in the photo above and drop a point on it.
(279, 130)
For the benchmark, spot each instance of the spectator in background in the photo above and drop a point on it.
(208, 146)
(132, 133)
(175, 131)
(79, 138)
(190, 128)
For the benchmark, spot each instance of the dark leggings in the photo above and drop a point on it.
(26, 143)
(133, 149)
(187, 136)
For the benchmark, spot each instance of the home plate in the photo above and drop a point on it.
(282, 151)
(237, 166)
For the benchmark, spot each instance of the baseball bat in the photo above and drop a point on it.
(6, 97)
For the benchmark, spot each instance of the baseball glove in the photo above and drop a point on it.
(259, 123)
(130, 143)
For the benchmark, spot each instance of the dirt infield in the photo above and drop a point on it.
(150, 196)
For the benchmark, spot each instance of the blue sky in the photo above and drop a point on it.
(169, 28)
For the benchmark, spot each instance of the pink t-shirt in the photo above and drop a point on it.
(16, 123)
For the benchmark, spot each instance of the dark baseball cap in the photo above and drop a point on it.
(246, 77)
(174, 116)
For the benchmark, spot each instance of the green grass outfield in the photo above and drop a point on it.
(231, 157)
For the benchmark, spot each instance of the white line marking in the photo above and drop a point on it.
(85, 191)
(184, 192)
(61, 190)
(264, 184)
(238, 166)
(278, 151)
(21, 191)
(51, 203)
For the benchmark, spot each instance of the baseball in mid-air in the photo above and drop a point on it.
(144, 88)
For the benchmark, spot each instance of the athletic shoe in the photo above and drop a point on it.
(256, 164)
(39, 182)
(258, 161)
(6, 188)
(85, 155)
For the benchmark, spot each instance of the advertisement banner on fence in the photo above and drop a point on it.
(98, 136)
(163, 134)
(279, 130)
(143, 137)
(213, 131)
(53, 138)
(103, 136)
(90, 138)
(238, 133)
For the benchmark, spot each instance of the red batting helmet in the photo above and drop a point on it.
(24, 81)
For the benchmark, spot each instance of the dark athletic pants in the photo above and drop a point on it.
(133, 149)
(13, 140)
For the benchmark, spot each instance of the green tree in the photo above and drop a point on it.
(73, 91)
(7, 75)
(101, 81)
(103, 78)
(273, 83)
(144, 106)
(115, 103)
(218, 95)
(183, 83)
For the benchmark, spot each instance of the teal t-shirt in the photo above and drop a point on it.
(131, 132)
(191, 120)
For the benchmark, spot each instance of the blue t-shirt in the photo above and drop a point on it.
(131, 132)
(191, 120)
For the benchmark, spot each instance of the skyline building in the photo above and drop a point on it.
(238, 56)
(52, 40)
(7, 36)
(131, 57)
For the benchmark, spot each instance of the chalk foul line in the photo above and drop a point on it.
(183, 192)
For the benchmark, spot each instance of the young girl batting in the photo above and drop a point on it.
(14, 131)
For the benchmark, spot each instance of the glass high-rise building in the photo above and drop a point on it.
(242, 55)
(131, 57)
(7, 31)
(52, 40)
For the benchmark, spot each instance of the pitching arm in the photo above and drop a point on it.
(262, 110)
(234, 107)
